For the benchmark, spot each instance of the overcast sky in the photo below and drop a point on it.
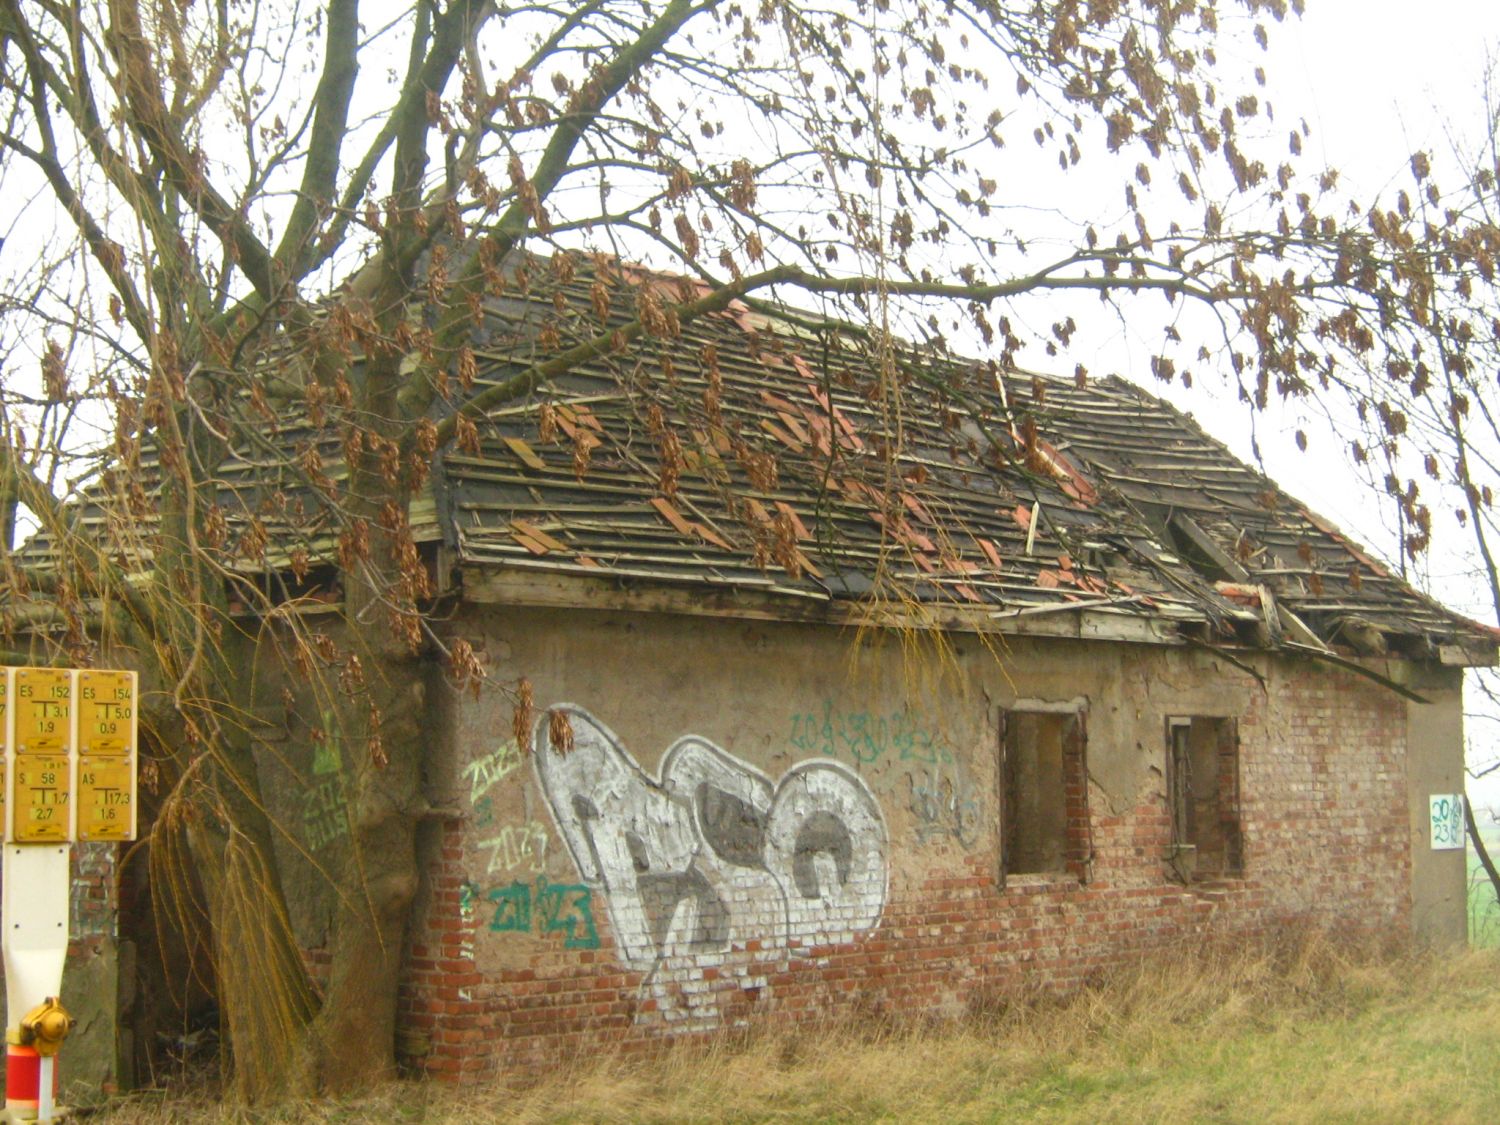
(1385, 77)
(1376, 80)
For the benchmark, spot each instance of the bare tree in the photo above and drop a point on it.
(1420, 383)
(257, 212)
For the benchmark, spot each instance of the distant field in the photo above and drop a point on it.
(1320, 1032)
(1484, 913)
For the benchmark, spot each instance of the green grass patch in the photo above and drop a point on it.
(1484, 911)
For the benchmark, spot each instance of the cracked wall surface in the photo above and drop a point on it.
(720, 823)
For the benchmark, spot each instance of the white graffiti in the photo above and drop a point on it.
(518, 844)
(489, 771)
(713, 855)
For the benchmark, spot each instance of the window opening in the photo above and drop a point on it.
(1203, 798)
(1044, 824)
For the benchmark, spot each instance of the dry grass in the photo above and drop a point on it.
(1319, 1031)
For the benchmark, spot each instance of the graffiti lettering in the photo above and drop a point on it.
(557, 908)
(487, 772)
(512, 908)
(567, 910)
(325, 813)
(516, 845)
(866, 738)
(713, 854)
(945, 807)
(325, 817)
(1446, 812)
(326, 749)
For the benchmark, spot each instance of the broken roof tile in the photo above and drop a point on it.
(797, 525)
(1114, 464)
(672, 515)
(712, 536)
(781, 435)
(531, 531)
(527, 455)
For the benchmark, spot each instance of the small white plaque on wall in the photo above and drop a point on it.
(1446, 811)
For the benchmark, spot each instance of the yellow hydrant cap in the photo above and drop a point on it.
(46, 1026)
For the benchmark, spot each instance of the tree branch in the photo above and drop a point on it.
(554, 164)
(164, 138)
(526, 381)
(330, 125)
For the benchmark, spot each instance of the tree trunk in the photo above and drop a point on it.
(383, 703)
(266, 998)
(355, 1033)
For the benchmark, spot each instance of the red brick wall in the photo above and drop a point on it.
(92, 906)
(1325, 830)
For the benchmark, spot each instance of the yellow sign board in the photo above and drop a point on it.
(106, 712)
(68, 738)
(106, 799)
(43, 715)
(42, 784)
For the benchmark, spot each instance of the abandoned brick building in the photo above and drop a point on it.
(883, 707)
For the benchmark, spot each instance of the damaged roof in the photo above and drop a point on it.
(772, 458)
(777, 454)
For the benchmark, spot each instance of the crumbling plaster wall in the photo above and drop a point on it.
(533, 940)
(1435, 765)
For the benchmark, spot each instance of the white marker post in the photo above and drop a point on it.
(66, 733)
(35, 907)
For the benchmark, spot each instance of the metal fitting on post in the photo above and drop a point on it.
(46, 1026)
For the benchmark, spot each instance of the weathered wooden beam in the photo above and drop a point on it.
(1472, 655)
(1089, 621)
(1205, 543)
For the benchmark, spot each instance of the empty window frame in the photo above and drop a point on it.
(1203, 788)
(1044, 816)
